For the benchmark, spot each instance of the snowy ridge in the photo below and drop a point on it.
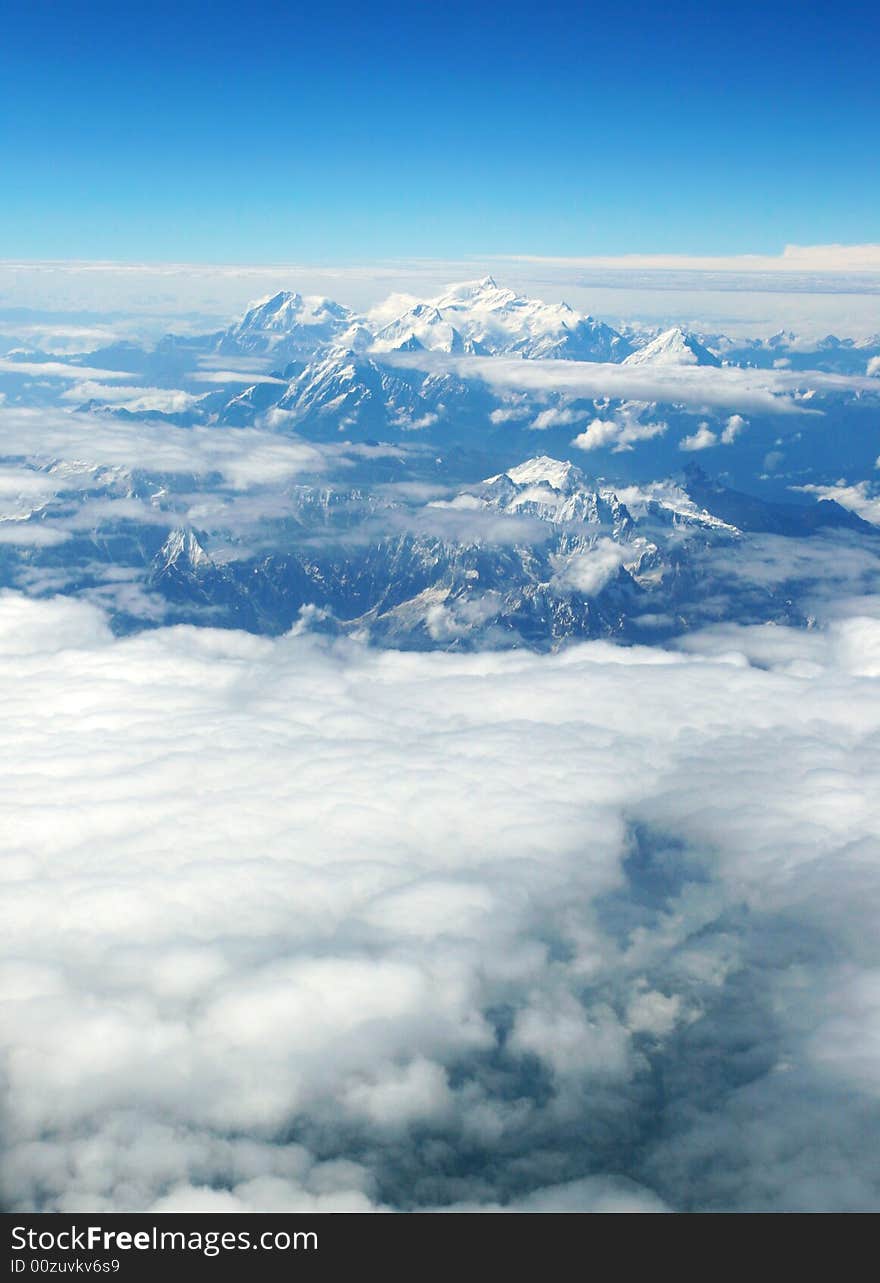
(668, 497)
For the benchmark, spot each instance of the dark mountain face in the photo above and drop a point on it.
(751, 513)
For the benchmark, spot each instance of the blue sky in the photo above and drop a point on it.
(281, 132)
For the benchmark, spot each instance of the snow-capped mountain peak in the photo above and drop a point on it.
(485, 291)
(555, 491)
(485, 318)
(542, 470)
(674, 346)
(182, 549)
(286, 324)
(422, 327)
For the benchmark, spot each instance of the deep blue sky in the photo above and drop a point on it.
(258, 132)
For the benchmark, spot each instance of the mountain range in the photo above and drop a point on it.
(480, 469)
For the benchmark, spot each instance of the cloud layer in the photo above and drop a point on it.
(295, 924)
(242, 456)
(728, 388)
(814, 288)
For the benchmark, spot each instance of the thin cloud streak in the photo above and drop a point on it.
(768, 391)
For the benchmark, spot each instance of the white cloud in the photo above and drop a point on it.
(134, 398)
(22, 488)
(235, 376)
(794, 258)
(243, 456)
(703, 439)
(831, 564)
(58, 370)
(285, 920)
(390, 308)
(833, 258)
(599, 1195)
(20, 532)
(270, 905)
(60, 337)
(733, 428)
(807, 289)
(555, 417)
(731, 387)
(509, 413)
(598, 434)
(859, 497)
(590, 570)
(620, 433)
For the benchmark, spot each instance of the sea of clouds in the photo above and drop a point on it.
(294, 923)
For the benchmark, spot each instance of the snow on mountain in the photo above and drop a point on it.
(356, 338)
(483, 318)
(472, 317)
(558, 492)
(286, 325)
(787, 350)
(673, 347)
(670, 500)
(182, 550)
(244, 407)
(337, 378)
(556, 473)
(587, 571)
(341, 387)
(422, 327)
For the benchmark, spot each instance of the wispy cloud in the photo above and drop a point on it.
(728, 388)
(234, 376)
(794, 258)
(59, 370)
(242, 456)
(135, 398)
